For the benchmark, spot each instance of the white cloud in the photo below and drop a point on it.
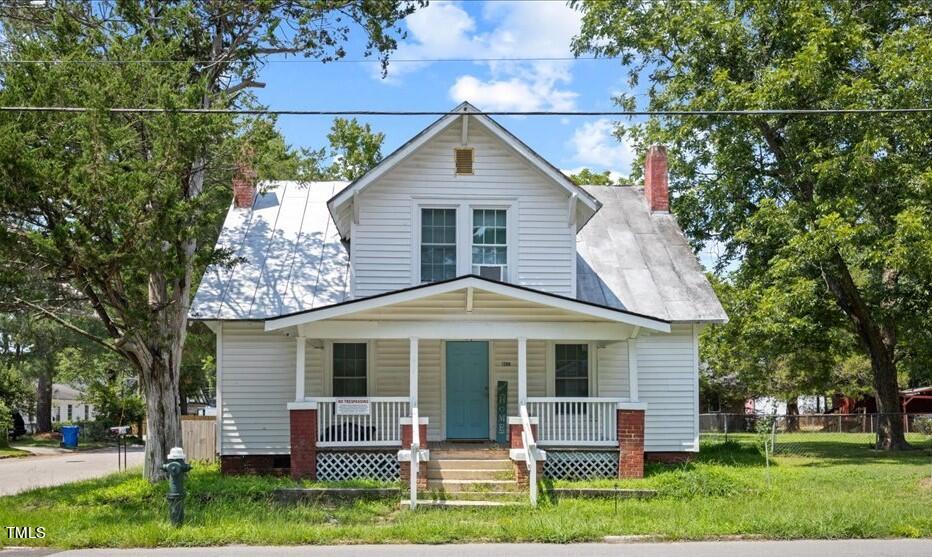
(594, 145)
(514, 30)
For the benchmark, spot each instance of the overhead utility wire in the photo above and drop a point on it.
(317, 61)
(303, 112)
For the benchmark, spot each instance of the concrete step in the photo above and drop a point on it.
(470, 474)
(406, 503)
(468, 454)
(469, 464)
(473, 486)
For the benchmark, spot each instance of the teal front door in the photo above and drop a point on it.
(467, 390)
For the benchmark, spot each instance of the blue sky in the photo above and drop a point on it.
(478, 29)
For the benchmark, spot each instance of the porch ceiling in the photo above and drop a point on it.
(470, 306)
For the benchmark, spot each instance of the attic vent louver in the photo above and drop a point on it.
(463, 159)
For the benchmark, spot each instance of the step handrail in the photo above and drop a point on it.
(415, 454)
(530, 453)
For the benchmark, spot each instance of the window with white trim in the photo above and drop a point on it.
(571, 370)
(490, 243)
(350, 369)
(69, 413)
(438, 244)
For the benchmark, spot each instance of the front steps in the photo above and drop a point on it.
(470, 476)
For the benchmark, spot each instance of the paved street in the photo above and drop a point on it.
(54, 467)
(804, 548)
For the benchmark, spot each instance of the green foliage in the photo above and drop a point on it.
(825, 220)
(6, 422)
(117, 213)
(108, 383)
(354, 149)
(587, 177)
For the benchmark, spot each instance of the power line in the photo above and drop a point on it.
(337, 61)
(620, 113)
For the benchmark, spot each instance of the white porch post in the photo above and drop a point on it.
(299, 369)
(633, 369)
(412, 371)
(522, 371)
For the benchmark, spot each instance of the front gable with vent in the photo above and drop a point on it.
(464, 194)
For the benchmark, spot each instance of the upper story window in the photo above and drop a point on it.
(349, 369)
(490, 243)
(438, 244)
(571, 366)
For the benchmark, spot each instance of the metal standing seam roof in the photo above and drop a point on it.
(290, 256)
(292, 259)
(628, 257)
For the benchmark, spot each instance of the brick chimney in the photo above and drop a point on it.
(656, 186)
(244, 181)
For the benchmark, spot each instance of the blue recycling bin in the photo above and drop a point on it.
(69, 436)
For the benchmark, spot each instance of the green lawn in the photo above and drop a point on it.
(10, 452)
(840, 490)
(83, 445)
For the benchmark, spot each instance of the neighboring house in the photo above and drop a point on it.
(67, 406)
(462, 262)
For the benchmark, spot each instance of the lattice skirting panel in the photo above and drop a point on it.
(338, 466)
(581, 465)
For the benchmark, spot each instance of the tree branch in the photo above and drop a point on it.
(68, 325)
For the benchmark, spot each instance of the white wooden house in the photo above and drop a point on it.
(467, 285)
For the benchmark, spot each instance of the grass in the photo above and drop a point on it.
(11, 452)
(83, 445)
(841, 490)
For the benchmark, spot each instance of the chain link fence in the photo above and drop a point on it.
(833, 437)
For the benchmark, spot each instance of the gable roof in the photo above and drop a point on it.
(630, 258)
(421, 291)
(344, 197)
(291, 257)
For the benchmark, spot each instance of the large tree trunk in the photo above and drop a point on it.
(44, 401)
(879, 342)
(163, 416)
(792, 413)
(890, 435)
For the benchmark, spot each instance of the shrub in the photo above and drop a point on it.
(923, 425)
(6, 421)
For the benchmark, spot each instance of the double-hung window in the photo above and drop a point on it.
(490, 243)
(438, 244)
(349, 369)
(571, 363)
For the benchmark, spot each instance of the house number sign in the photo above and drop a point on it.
(352, 407)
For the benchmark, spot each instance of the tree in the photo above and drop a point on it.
(829, 202)
(354, 149)
(587, 177)
(121, 208)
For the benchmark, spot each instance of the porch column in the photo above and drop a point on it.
(630, 423)
(522, 371)
(412, 371)
(633, 395)
(300, 343)
(303, 421)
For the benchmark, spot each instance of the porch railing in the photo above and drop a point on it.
(571, 422)
(380, 427)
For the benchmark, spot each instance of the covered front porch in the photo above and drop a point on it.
(470, 360)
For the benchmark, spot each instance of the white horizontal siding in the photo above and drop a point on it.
(505, 368)
(613, 370)
(258, 376)
(429, 387)
(382, 240)
(667, 383)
